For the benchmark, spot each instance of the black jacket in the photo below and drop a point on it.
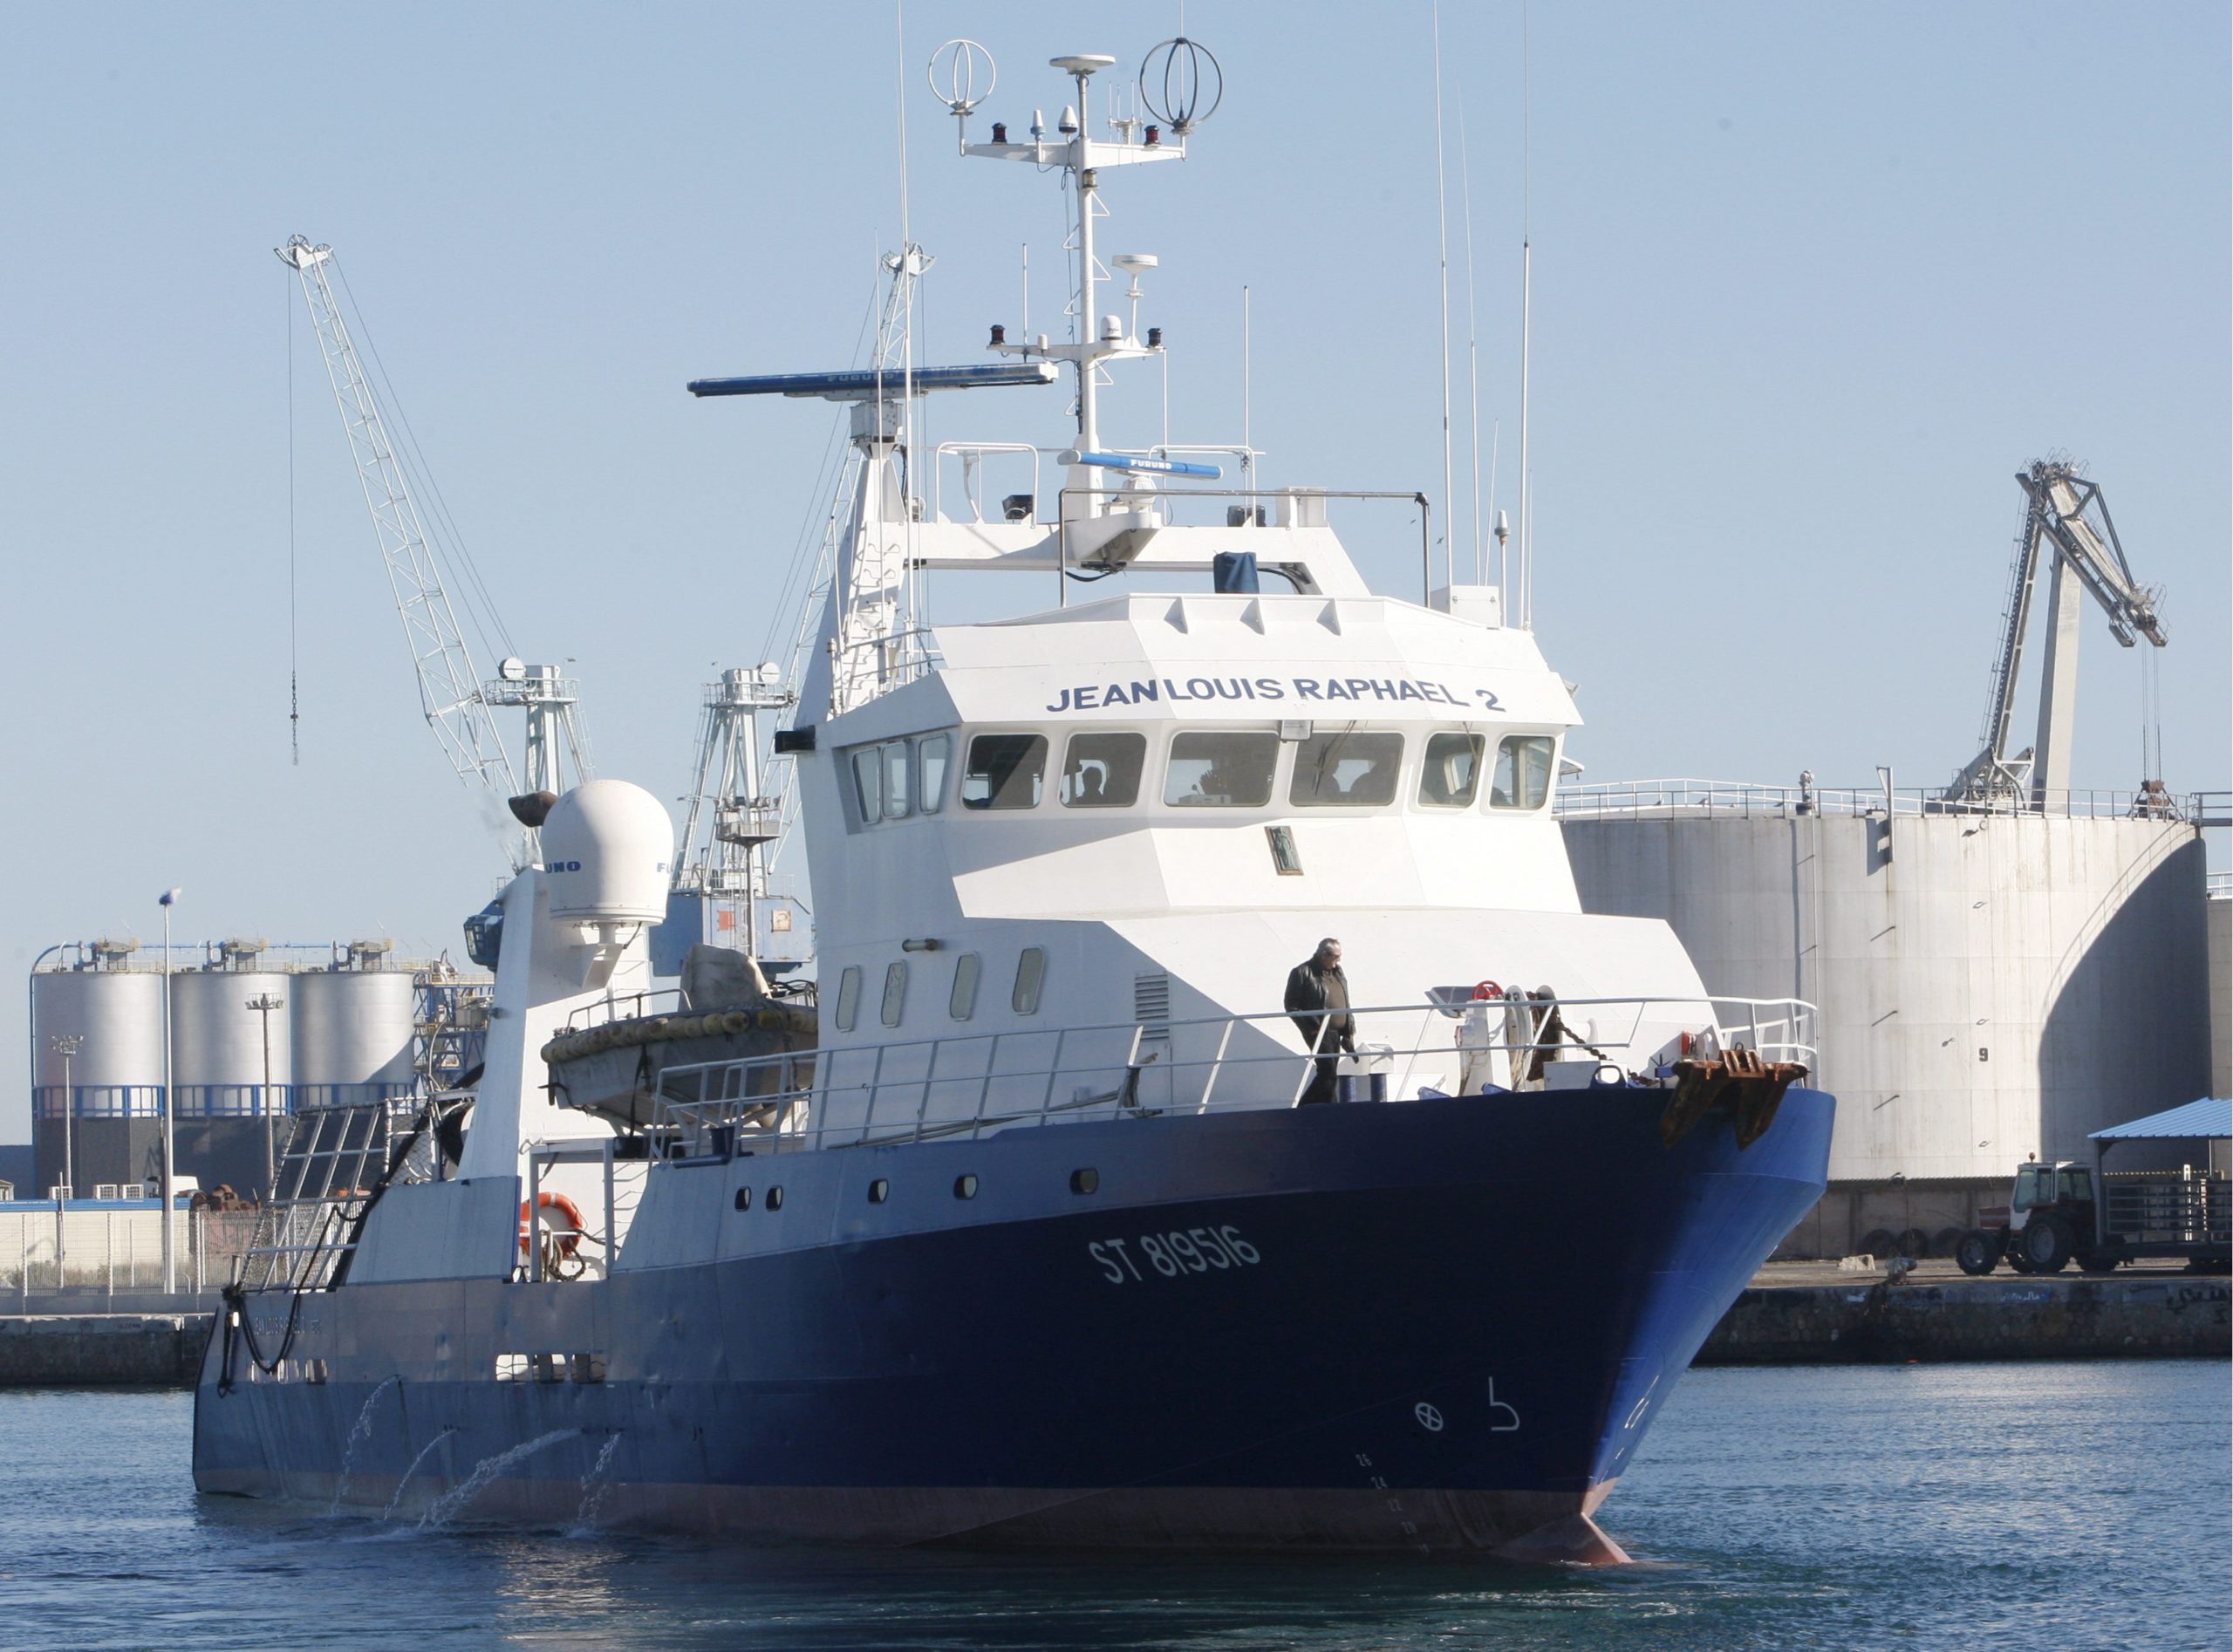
(1317, 995)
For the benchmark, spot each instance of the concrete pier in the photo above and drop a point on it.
(1815, 1316)
(102, 1350)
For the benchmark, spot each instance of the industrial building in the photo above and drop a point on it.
(257, 1032)
(1992, 983)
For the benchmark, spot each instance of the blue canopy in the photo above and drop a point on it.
(2207, 1118)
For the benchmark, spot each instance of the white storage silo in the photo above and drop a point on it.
(1991, 985)
(218, 1054)
(352, 1034)
(115, 1017)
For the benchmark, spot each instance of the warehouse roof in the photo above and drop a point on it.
(2205, 1118)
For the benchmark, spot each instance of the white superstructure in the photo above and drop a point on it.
(1064, 862)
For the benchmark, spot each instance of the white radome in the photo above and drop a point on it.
(608, 847)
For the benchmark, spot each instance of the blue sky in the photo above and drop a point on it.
(1810, 283)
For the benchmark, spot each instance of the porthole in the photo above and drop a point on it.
(774, 1199)
(879, 1191)
(965, 1187)
(744, 1198)
(1085, 1181)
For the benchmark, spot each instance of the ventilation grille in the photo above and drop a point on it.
(1151, 998)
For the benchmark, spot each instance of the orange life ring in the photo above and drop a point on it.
(566, 1241)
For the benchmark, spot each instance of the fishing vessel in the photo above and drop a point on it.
(1061, 1224)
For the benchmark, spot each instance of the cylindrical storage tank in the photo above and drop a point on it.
(353, 1035)
(217, 1042)
(1991, 985)
(116, 1018)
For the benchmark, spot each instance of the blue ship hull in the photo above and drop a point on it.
(1440, 1325)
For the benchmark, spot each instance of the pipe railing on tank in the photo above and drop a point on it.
(1685, 796)
(1129, 1068)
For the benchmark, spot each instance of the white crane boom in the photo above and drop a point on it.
(449, 685)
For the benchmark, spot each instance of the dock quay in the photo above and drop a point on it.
(101, 1350)
(1814, 1314)
(1793, 1313)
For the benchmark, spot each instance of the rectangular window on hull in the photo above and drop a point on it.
(1523, 776)
(895, 992)
(1218, 768)
(1347, 769)
(1030, 978)
(1004, 771)
(961, 1003)
(848, 997)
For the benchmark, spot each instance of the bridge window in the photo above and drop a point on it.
(1220, 768)
(868, 784)
(1005, 771)
(1347, 769)
(848, 997)
(1102, 771)
(1452, 772)
(1030, 976)
(1523, 776)
(936, 752)
(896, 776)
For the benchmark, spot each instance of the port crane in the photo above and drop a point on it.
(721, 877)
(458, 702)
(2066, 525)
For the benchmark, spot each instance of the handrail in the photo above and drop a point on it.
(822, 1097)
(1687, 796)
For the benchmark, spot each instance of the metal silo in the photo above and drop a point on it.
(110, 1019)
(352, 1034)
(218, 1053)
(116, 1018)
(1991, 984)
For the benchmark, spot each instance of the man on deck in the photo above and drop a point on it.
(1318, 999)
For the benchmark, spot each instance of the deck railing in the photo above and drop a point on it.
(962, 1086)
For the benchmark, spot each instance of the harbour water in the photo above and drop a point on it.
(2071, 1505)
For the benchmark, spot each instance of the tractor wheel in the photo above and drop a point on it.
(2018, 1261)
(1976, 1251)
(2046, 1244)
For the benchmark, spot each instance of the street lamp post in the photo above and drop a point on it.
(263, 1004)
(167, 900)
(66, 1044)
